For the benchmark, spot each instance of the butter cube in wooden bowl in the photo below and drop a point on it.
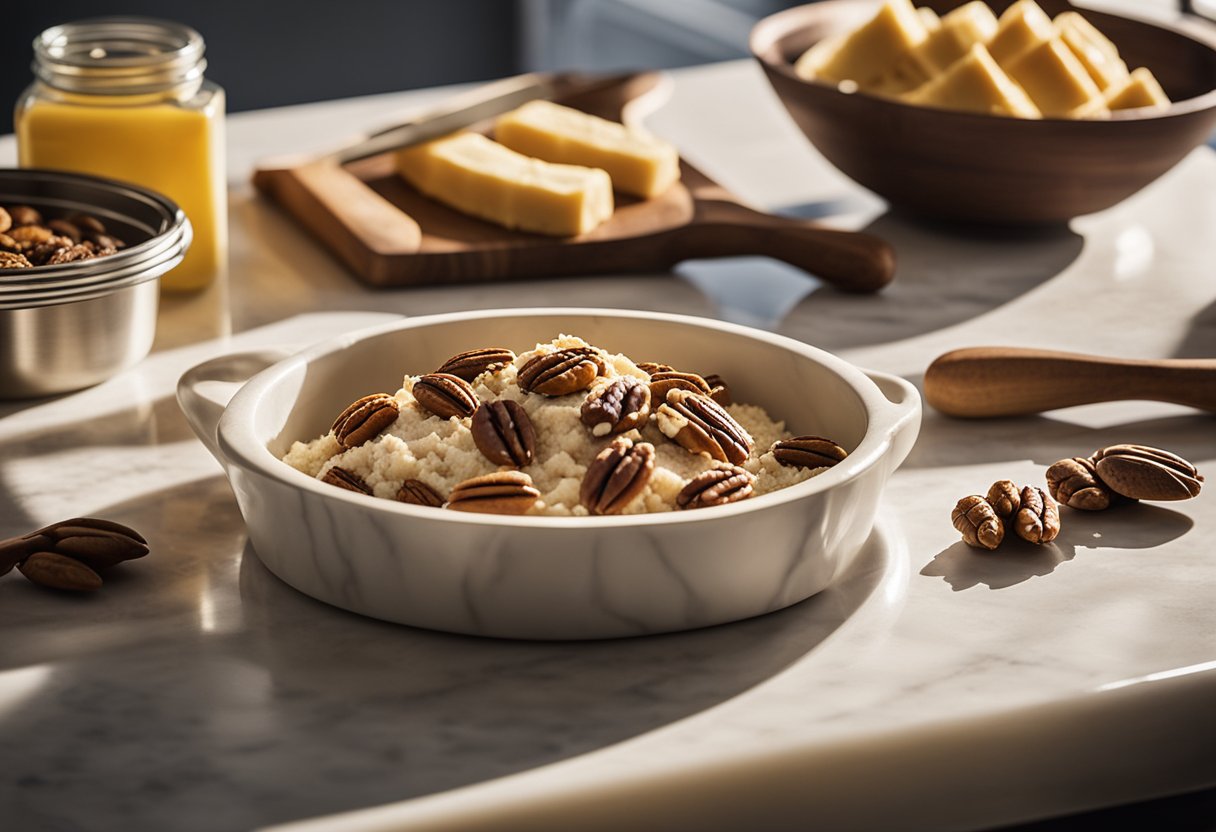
(1048, 115)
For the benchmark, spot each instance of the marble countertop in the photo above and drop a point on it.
(945, 688)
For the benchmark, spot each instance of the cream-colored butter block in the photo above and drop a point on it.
(905, 75)
(960, 30)
(482, 178)
(929, 18)
(1056, 81)
(1086, 31)
(1141, 89)
(954, 34)
(1023, 26)
(899, 80)
(808, 64)
(866, 54)
(1093, 49)
(638, 163)
(975, 83)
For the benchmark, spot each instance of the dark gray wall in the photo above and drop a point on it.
(267, 54)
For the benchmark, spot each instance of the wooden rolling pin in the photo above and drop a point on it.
(980, 382)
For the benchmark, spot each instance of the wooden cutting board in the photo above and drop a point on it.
(391, 235)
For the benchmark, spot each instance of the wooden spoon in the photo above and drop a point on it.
(980, 382)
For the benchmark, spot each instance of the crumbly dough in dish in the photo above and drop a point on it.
(441, 452)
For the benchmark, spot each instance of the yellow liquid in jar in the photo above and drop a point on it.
(162, 146)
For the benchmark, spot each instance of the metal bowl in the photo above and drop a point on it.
(74, 325)
(68, 346)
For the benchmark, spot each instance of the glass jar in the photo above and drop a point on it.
(126, 98)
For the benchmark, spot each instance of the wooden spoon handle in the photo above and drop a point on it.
(852, 261)
(1007, 381)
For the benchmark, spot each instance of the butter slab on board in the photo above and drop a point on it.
(638, 163)
(389, 234)
(485, 179)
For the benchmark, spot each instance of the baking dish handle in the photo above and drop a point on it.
(900, 420)
(203, 391)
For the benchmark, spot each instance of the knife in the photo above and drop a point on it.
(461, 111)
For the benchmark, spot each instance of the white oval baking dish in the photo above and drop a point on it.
(553, 577)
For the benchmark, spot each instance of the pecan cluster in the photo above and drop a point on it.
(1122, 473)
(984, 520)
(27, 240)
(70, 555)
(688, 408)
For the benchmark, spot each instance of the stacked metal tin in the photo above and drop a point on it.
(71, 325)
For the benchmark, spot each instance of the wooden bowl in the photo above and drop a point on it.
(993, 169)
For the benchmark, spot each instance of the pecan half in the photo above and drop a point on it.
(665, 380)
(1075, 483)
(87, 223)
(808, 452)
(6, 220)
(343, 478)
(503, 432)
(616, 476)
(652, 367)
(978, 522)
(1038, 520)
(365, 419)
(1144, 473)
(31, 234)
(63, 228)
(562, 372)
(13, 551)
(12, 260)
(469, 365)
(719, 391)
(60, 572)
(446, 395)
(620, 405)
(418, 493)
(97, 543)
(1004, 498)
(701, 425)
(24, 215)
(716, 487)
(104, 242)
(504, 492)
(41, 254)
(71, 255)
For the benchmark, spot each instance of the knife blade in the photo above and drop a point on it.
(461, 111)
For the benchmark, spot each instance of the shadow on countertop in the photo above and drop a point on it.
(1134, 526)
(946, 274)
(1044, 439)
(196, 691)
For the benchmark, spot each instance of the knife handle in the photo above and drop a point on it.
(981, 382)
